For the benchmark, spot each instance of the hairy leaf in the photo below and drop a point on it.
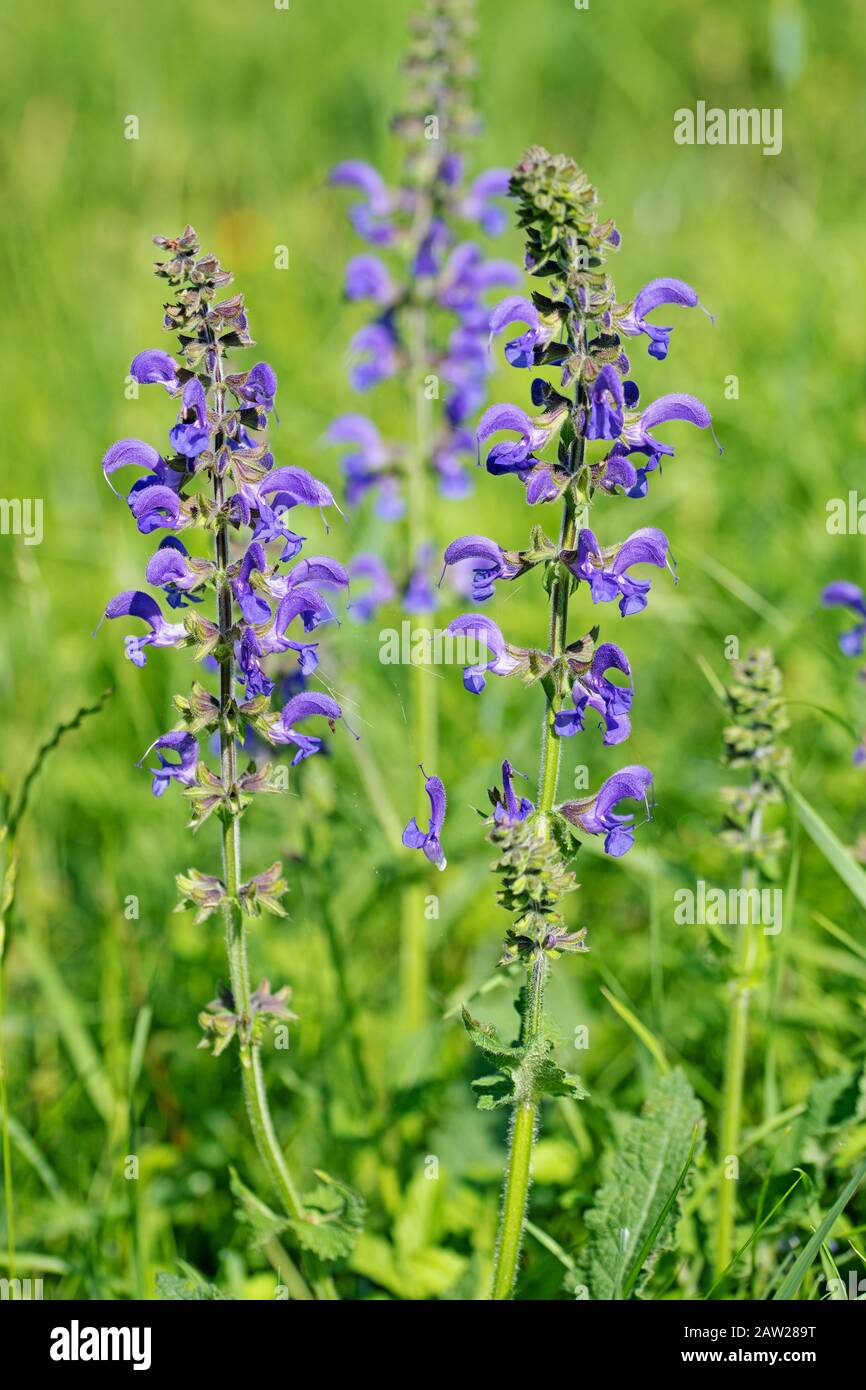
(333, 1219)
(642, 1173)
(525, 1071)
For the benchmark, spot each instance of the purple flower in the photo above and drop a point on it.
(304, 603)
(304, 706)
(520, 352)
(479, 206)
(154, 367)
(489, 564)
(596, 815)
(619, 471)
(189, 440)
(249, 652)
(182, 771)
(254, 608)
(419, 596)
(270, 526)
(133, 603)
(295, 487)
(373, 347)
(657, 292)
(511, 457)
(363, 465)
(428, 258)
(483, 632)
(508, 808)
(592, 690)
(136, 454)
(368, 278)
(676, 406)
(316, 569)
(156, 506)
(541, 486)
(448, 459)
(841, 593)
(190, 436)
(606, 572)
(428, 841)
(194, 402)
(466, 276)
(260, 386)
(370, 217)
(368, 568)
(168, 569)
(606, 403)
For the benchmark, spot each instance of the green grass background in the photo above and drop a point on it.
(243, 109)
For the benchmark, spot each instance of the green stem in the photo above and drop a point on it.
(520, 1145)
(748, 943)
(414, 969)
(252, 1076)
(524, 1126)
(559, 593)
(7, 1145)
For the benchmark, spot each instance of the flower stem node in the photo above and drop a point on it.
(221, 1021)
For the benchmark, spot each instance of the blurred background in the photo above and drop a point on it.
(242, 111)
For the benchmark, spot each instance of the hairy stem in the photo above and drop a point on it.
(551, 744)
(520, 1145)
(252, 1076)
(7, 1145)
(423, 696)
(748, 945)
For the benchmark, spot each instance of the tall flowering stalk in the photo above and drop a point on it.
(587, 439)
(430, 326)
(218, 483)
(752, 744)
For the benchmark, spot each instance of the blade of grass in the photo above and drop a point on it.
(640, 1030)
(646, 1248)
(789, 1286)
(832, 1275)
(853, 946)
(550, 1244)
(830, 845)
(8, 834)
(740, 590)
(753, 1237)
(64, 1009)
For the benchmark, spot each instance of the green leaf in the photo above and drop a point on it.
(186, 1288)
(526, 1073)
(626, 1233)
(640, 1030)
(833, 1103)
(487, 1040)
(649, 1242)
(830, 846)
(332, 1221)
(800, 1268)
